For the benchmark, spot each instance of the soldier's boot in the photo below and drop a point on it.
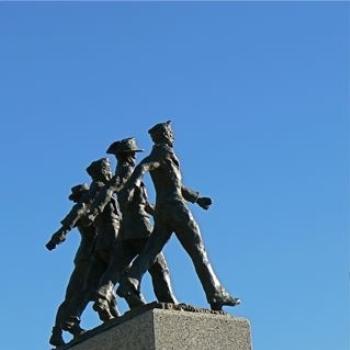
(103, 308)
(73, 327)
(130, 293)
(56, 338)
(135, 301)
(76, 331)
(223, 299)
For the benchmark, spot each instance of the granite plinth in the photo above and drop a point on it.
(165, 327)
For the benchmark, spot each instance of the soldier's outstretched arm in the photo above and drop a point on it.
(147, 164)
(68, 223)
(189, 195)
(57, 238)
(194, 197)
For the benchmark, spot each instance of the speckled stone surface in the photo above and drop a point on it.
(165, 327)
(199, 331)
(134, 334)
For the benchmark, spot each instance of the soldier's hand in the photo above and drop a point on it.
(56, 239)
(50, 245)
(204, 202)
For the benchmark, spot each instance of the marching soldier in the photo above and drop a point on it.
(172, 215)
(64, 320)
(107, 225)
(134, 232)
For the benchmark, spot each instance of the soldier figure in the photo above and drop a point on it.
(107, 228)
(172, 215)
(134, 232)
(64, 320)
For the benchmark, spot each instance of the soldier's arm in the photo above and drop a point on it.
(72, 218)
(194, 197)
(147, 164)
(57, 238)
(68, 223)
(105, 194)
(189, 195)
(148, 206)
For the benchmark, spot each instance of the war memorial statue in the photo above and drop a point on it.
(119, 243)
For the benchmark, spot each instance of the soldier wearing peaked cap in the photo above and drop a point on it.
(134, 232)
(65, 320)
(172, 215)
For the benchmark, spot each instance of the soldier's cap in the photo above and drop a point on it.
(159, 128)
(97, 166)
(124, 146)
(78, 190)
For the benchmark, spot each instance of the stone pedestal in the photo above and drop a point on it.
(165, 327)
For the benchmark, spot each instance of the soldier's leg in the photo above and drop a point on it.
(189, 234)
(97, 270)
(94, 271)
(56, 338)
(130, 283)
(160, 274)
(61, 317)
(122, 256)
(76, 298)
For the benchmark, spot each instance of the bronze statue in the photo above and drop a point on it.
(134, 232)
(118, 242)
(64, 320)
(172, 215)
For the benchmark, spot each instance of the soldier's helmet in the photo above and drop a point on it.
(98, 167)
(77, 191)
(124, 146)
(162, 132)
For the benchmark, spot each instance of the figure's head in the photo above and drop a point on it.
(100, 170)
(162, 133)
(79, 193)
(125, 149)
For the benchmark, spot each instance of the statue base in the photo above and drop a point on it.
(159, 326)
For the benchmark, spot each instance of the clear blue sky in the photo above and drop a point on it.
(259, 98)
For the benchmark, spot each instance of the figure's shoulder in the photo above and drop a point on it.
(96, 186)
(76, 207)
(75, 211)
(81, 208)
